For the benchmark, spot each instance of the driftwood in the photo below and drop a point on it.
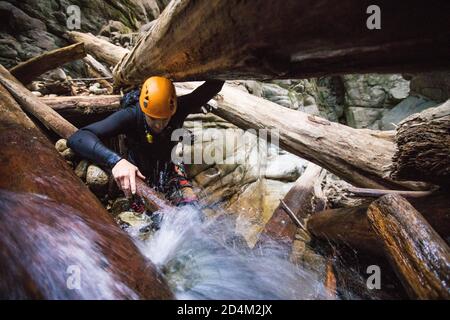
(358, 156)
(289, 39)
(28, 70)
(101, 49)
(365, 192)
(50, 221)
(303, 199)
(417, 253)
(96, 70)
(48, 117)
(97, 66)
(83, 110)
(350, 225)
(52, 120)
(423, 147)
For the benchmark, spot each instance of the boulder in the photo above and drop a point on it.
(81, 169)
(96, 179)
(409, 106)
(61, 145)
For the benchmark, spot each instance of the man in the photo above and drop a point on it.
(147, 118)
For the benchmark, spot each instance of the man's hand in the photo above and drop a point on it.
(125, 173)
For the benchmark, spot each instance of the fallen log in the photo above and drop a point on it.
(96, 70)
(423, 147)
(302, 199)
(47, 116)
(28, 70)
(101, 49)
(350, 225)
(52, 120)
(358, 156)
(97, 66)
(197, 40)
(83, 110)
(52, 228)
(417, 253)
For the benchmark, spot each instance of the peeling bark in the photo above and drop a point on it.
(423, 147)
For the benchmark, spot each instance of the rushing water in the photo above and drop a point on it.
(208, 261)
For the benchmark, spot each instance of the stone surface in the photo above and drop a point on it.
(432, 85)
(407, 107)
(81, 169)
(96, 179)
(61, 145)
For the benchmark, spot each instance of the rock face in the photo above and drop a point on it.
(30, 27)
(368, 96)
(245, 176)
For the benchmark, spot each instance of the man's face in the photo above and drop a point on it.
(157, 125)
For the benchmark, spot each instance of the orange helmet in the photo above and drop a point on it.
(158, 98)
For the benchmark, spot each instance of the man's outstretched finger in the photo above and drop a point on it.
(126, 186)
(133, 181)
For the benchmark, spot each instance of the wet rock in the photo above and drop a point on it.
(37, 93)
(96, 179)
(96, 89)
(68, 154)
(61, 145)
(362, 117)
(120, 205)
(81, 169)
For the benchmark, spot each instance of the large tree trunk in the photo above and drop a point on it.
(359, 156)
(287, 39)
(419, 256)
(350, 225)
(302, 199)
(53, 228)
(423, 146)
(34, 67)
(102, 49)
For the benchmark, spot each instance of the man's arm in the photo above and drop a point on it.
(192, 102)
(87, 141)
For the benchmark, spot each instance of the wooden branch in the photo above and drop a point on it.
(101, 49)
(197, 40)
(419, 256)
(303, 199)
(47, 116)
(97, 66)
(49, 220)
(423, 147)
(28, 70)
(52, 120)
(365, 192)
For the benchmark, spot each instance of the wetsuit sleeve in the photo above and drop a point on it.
(192, 102)
(87, 141)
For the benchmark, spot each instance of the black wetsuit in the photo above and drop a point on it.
(152, 159)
